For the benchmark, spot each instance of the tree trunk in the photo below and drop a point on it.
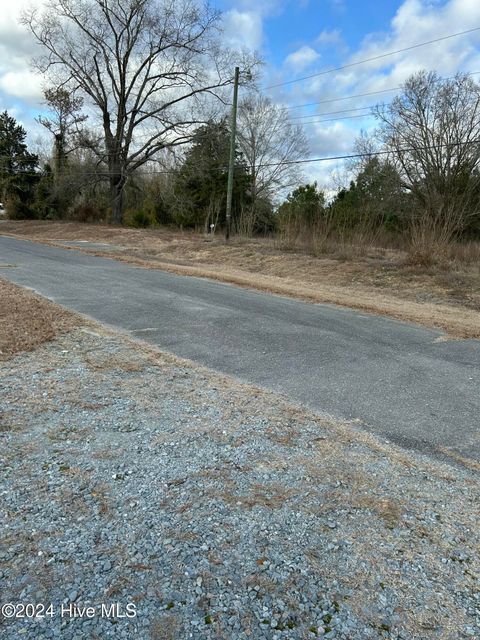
(116, 170)
(60, 156)
(116, 197)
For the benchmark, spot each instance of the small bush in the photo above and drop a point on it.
(86, 213)
(18, 210)
(138, 219)
(465, 252)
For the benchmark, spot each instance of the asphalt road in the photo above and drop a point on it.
(397, 378)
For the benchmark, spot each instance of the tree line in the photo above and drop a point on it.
(137, 110)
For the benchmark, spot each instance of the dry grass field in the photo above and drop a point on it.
(28, 320)
(445, 295)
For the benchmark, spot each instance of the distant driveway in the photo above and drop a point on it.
(402, 381)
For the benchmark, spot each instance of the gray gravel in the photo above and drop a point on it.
(216, 509)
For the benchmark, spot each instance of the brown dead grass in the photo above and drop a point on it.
(114, 362)
(27, 320)
(467, 462)
(445, 297)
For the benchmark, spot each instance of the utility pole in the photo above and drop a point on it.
(231, 165)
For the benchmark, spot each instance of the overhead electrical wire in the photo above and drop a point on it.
(362, 95)
(333, 113)
(379, 57)
(338, 99)
(326, 101)
(369, 154)
(360, 115)
(350, 156)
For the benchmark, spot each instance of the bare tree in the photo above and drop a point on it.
(143, 65)
(433, 131)
(268, 139)
(365, 146)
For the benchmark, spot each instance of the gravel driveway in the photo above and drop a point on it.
(208, 509)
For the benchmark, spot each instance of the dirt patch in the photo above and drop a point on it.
(381, 281)
(27, 320)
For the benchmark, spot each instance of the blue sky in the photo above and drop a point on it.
(297, 39)
(295, 24)
(302, 38)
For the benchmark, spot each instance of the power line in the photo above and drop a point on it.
(382, 104)
(333, 113)
(362, 95)
(313, 115)
(360, 115)
(383, 55)
(369, 154)
(289, 125)
(106, 174)
(356, 95)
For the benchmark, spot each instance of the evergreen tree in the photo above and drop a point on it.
(201, 184)
(305, 205)
(18, 168)
(376, 198)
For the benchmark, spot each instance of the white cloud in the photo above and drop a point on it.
(333, 37)
(417, 21)
(338, 5)
(332, 139)
(243, 29)
(22, 84)
(262, 7)
(302, 58)
(324, 141)
(17, 47)
(414, 22)
(16, 44)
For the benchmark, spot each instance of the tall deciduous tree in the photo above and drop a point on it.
(269, 140)
(433, 131)
(144, 66)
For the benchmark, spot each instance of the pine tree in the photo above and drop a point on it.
(201, 184)
(18, 168)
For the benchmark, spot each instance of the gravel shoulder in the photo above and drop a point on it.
(217, 509)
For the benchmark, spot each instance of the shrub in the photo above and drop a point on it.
(138, 219)
(87, 213)
(18, 210)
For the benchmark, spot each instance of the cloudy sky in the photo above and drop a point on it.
(300, 38)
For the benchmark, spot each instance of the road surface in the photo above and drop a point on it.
(399, 379)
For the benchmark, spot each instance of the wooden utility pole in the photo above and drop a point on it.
(231, 165)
